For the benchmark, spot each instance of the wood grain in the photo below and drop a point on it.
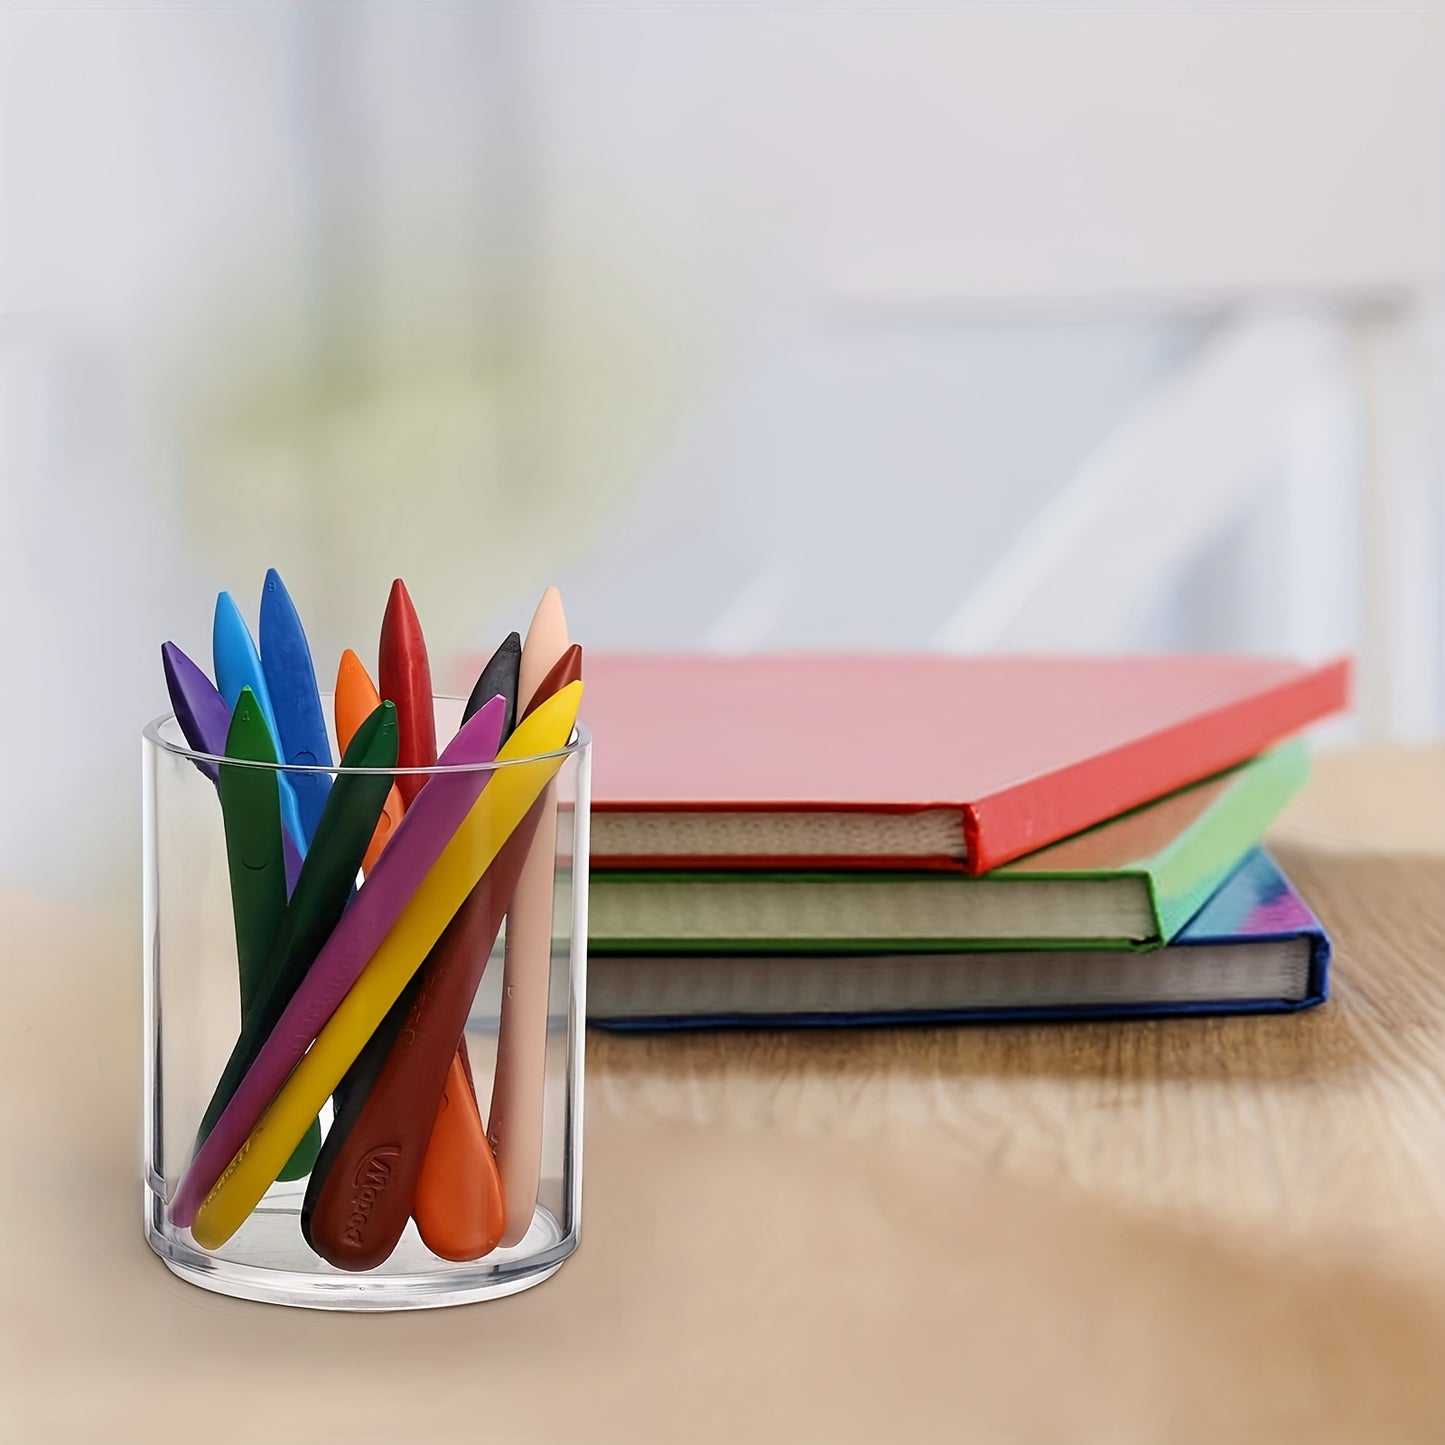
(1227, 1230)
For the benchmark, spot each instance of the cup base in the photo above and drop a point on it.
(412, 1279)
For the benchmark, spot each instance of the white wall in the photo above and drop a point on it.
(753, 325)
(984, 151)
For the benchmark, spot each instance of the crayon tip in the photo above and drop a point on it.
(275, 602)
(400, 610)
(349, 666)
(178, 667)
(549, 611)
(171, 665)
(280, 622)
(226, 607)
(499, 677)
(277, 611)
(247, 707)
(546, 641)
(276, 599)
(250, 735)
(567, 669)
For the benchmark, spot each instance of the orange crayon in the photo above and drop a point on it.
(356, 700)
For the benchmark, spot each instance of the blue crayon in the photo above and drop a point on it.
(295, 701)
(238, 665)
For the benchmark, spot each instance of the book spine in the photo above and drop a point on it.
(1073, 1013)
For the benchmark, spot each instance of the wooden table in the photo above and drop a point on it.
(1228, 1230)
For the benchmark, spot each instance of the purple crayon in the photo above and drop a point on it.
(200, 710)
(204, 720)
(417, 843)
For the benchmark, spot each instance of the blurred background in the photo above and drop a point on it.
(958, 327)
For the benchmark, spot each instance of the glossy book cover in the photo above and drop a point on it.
(958, 763)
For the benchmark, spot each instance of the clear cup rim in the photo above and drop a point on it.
(580, 740)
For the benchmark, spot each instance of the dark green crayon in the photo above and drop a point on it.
(251, 815)
(322, 891)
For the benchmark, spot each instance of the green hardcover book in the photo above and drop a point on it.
(1130, 883)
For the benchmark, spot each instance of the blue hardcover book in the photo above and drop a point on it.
(1254, 947)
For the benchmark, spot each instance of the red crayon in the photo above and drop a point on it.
(406, 681)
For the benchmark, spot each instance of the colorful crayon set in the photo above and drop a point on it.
(367, 900)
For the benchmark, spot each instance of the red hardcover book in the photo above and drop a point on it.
(835, 760)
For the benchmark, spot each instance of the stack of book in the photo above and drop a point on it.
(849, 839)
